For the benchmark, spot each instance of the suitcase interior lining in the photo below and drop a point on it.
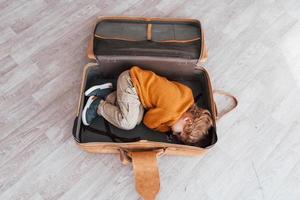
(94, 76)
(129, 37)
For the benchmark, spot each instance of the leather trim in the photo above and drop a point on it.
(177, 41)
(143, 145)
(149, 19)
(204, 52)
(115, 38)
(90, 49)
(149, 32)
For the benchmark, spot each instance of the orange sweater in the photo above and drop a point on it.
(165, 100)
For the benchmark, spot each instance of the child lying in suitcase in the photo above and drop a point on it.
(169, 105)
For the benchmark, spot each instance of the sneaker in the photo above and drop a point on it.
(89, 112)
(100, 90)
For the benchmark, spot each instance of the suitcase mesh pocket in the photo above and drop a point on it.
(180, 39)
(156, 31)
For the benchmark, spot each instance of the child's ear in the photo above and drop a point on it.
(188, 120)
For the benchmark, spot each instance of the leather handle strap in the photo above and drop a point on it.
(146, 172)
(147, 181)
(234, 104)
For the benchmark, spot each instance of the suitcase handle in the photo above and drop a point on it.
(234, 104)
(146, 172)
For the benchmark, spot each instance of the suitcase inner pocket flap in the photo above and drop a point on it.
(153, 31)
(152, 37)
(128, 31)
(175, 32)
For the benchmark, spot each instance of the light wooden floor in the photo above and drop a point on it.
(254, 53)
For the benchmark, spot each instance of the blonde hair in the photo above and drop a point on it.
(196, 130)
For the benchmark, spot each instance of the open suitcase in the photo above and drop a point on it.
(174, 48)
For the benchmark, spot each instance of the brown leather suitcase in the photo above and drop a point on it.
(174, 48)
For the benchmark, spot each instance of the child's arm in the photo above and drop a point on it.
(157, 119)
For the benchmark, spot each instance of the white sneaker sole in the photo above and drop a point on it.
(87, 105)
(103, 86)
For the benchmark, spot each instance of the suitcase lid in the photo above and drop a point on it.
(154, 37)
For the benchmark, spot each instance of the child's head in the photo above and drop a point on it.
(193, 125)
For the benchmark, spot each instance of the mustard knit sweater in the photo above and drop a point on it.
(164, 100)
